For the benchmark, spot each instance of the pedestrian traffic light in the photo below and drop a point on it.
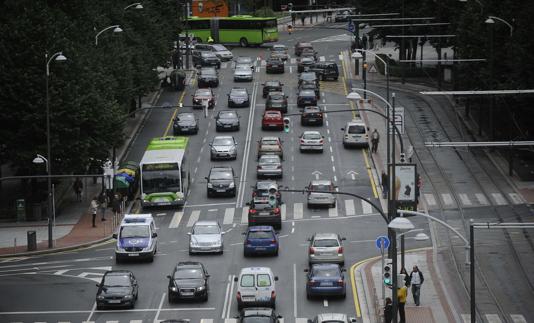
(387, 276)
(286, 124)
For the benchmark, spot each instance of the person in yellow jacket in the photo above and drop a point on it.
(402, 294)
(210, 40)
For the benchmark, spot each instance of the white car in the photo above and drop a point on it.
(311, 141)
(206, 237)
(243, 73)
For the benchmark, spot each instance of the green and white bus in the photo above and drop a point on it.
(165, 175)
(242, 30)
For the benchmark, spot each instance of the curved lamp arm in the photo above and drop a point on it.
(103, 30)
(503, 21)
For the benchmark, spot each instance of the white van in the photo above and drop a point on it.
(256, 287)
(355, 134)
(136, 238)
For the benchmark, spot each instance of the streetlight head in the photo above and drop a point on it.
(462, 0)
(354, 96)
(60, 58)
(38, 160)
(421, 236)
(490, 21)
(356, 55)
(117, 29)
(401, 225)
(139, 6)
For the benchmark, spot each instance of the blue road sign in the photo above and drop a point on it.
(351, 27)
(382, 242)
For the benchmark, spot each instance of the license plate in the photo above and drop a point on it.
(327, 284)
(187, 294)
(264, 213)
(249, 298)
(114, 301)
(227, 126)
(220, 191)
(136, 254)
(312, 119)
(260, 248)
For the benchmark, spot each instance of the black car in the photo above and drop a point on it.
(258, 315)
(203, 58)
(189, 280)
(271, 86)
(306, 97)
(238, 97)
(299, 47)
(308, 77)
(305, 62)
(311, 115)
(310, 85)
(262, 212)
(118, 288)
(274, 65)
(208, 77)
(227, 120)
(276, 101)
(221, 181)
(325, 70)
(184, 123)
(202, 95)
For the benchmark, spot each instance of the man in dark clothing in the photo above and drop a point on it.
(78, 187)
(388, 310)
(293, 18)
(385, 184)
(302, 18)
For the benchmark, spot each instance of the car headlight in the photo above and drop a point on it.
(128, 297)
(210, 185)
(213, 150)
(100, 297)
(232, 149)
(201, 288)
(218, 122)
(232, 185)
(174, 289)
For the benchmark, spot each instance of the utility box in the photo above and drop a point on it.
(20, 206)
(32, 240)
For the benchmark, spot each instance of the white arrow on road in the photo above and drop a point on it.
(317, 173)
(352, 174)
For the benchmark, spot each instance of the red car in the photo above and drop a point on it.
(272, 119)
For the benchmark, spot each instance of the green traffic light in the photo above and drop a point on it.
(286, 129)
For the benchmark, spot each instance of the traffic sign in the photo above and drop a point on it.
(382, 242)
(372, 69)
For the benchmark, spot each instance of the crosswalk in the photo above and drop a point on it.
(496, 318)
(471, 199)
(294, 211)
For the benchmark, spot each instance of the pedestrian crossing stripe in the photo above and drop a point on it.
(177, 217)
(244, 215)
(447, 199)
(465, 199)
(430, 200)
(332, 212)
(481, 198)
(516, 198)
(194, 218)
(229, 216)
(349, 208)
(367, 208)
(298, 211)
(283, 212)
(495, 318)
(498, 198)
(518, 318)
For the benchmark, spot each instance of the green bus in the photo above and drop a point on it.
(242, 30)
(165, 175)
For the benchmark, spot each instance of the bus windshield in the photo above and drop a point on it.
(155, 181)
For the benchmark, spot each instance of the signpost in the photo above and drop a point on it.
(398, 119)
(382, 243)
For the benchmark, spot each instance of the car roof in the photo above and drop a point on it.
(188, 264)
(331, 317)
(269, 138)
(239, 89)
(273, 82)
(273, 93)
(198, 91)
(223, 137)
(255, 270)
(265, 184)
(325, 235)
(325, 266)
(206, 222)
(304, 44)
(221, 168)
(270, 156)
(310, 132)
(307, 92)
(260, 228)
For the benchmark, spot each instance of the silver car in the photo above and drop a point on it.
(223, 147)
(243, 73)
(269, 166)
(205, 237)
(245, 60)
(326, 248)
(321, 199)
(311, 141)
(222, 52)
(332, 317)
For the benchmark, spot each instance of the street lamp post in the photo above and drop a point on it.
(58, 57)
(116, 29)
(386, 68)
(136, 5)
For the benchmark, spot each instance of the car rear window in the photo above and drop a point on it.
(247, 280)
(325, 243)
(326, 272)
(354, 129)
(260, 235)
(264, 280)
(223, 142)
(320, 187)
(269, 142)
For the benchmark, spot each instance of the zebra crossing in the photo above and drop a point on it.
(472, 199)
(295, 211)
(496, 318)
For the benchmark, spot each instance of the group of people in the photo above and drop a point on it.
(414, 280)
(102, 202)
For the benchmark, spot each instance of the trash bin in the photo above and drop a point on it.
(32, 240)
(37, 211)
(20, 206)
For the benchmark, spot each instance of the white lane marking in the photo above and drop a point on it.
(232, 285)
(322, 59)
(65, 321)
(331, 150)
(297, 211)
(244, 215)
(290, 69)
(516, 198)
(229, 215)
(481, 198)
(109, 321)
(301, 320)
(230, 320)
(295, 290)
(159, 307)
(176, 218)
(325, 303)
(518, 318)
(136, 321)
(332, 212)
(193, 218)
(83, 322)
(292, 230)
(212, 204)
(447, 199)
(349, 208)
(226, 296)
(340, 57)
(465, 199)
(498, 198)
(293, 60)
(326, 123)
(366, 207)
(332, 158)
(430, 200)
(61, 272)
(206, 320)
(335, 177)
(283, 211)
(493, 318)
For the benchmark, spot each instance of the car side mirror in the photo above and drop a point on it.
(223, 232)
(342, 129)
(154, 235)
(343, 269)
(236, 279)
(310, 321)
(353, 320)
(169, 276)
(207, 275)
(280, 316)
(368, 129)
(206, 177)
(276, 278)
(243, 233)
(114, 236)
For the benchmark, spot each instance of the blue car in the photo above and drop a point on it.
(260, 240)
(325, 280)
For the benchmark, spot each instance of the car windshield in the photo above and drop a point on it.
(320, 187)
(308, 76)
(312, 135)
(243, 69)
(244, 60)
(219, 48)
(221, 175)
(256, 319)
(276, 96)
(325, 243)
(272, 114)
(269, 142)
(208, 54)
(185, 116)
(187, 273)
(208, 72)
(272, 84)
(116, 280)
(247, 280)
(307, 59)
(269, 159)
(263, 205)
(260, 235)
(354, 129)
(135, 231)
(203, 92)
(238, 92)
(325, 272)
(227, 115)
(206, 229)
(223, 142)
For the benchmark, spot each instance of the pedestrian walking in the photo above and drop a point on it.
(416, 280)
(302, 18)
(78, 187)
(402, 294)
(293, 18)
(102, 205)
(407, 279)
(385, 184)
(375, 139)
(388, 310)
(117, 204)
(94, 209)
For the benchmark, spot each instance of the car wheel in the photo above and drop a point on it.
(151, 259)
(243, 42)
(344, 295)
(209, 194)
(118, 260)
(205, 298)
(239, 306)
(245, 253)
(301, 150)
(308, 295)
(273, 305)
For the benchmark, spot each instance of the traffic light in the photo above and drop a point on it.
(286, 124)
(290, 6)
(272, 195)
(387, 276)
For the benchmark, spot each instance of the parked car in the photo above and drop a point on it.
(311, 115)
(306, 97)
(208, 77)
(299, 47)
(321, 199)
(264, 212)
(269, 166)
(223, 147)
(206, 237)
(238, 97)
(271, 86)
(326, 248)
(256, 287)
(270, 145)
(185, 122)
(304, 62)
(274, 65)
(311, 141)
(272, 120)
(202, 95)
(221, 181)
(260, 240)
(326, 70)
(188, 280)
(260, 191)
(257, 315)
(118, 288)
(243, 73)
(227, 120)
(245, 60)
(325, 280)
(276, 101)
(280, 51)
(204, 58)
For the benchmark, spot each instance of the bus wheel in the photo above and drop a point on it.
(243, 42)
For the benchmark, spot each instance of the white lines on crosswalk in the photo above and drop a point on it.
(516, 198)
(206, 321)
(481, 198)
(465, 199)
(322, 59)
(349, 208)
(193, 218)
(466, 318)
(263, 63)
(176, 218)
(293, 60)
(283, 211)
(498, 198)
(301, 320)
(136, 321)
(332, 212)
(229, 215)
(447, 199)
(430, 200)
(298, 211)
(518, 318)
(244, 215)
(493, 318)
(367, 208)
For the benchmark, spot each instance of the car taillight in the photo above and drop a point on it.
(238, 296)
(276, 210)
(254, 194)
(321, 141)
(248, 242)
(340, 282)
(340, 250)
(312, 282)
(252, 211)
(273, 294)
(304, 114)
(311, 250)
(301, 141)
(279, 166)
(273, 241)
(258, 167)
